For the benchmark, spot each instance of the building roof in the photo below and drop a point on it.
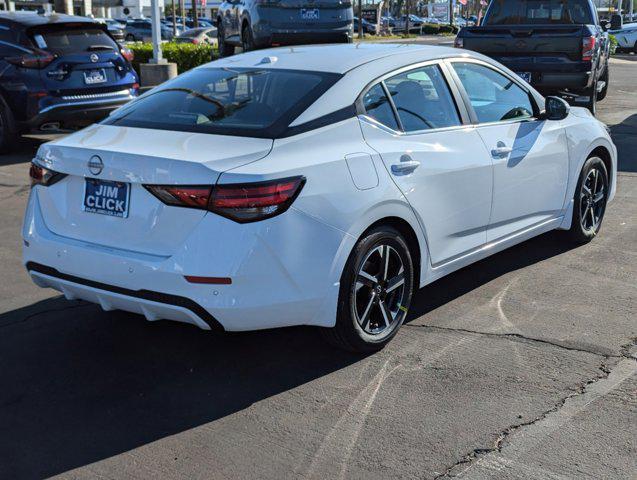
(332, 58)
(31, 19)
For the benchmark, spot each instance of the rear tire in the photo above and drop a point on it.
(635, 48)
(605, 78)
(247, 40)
(8, 131)
(375, 292)
(225, 50)
(591, 93)
(591, 195)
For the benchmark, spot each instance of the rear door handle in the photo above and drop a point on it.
(406, 165)
(501, 150)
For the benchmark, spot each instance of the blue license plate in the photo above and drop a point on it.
(106, 197)
(310, 13)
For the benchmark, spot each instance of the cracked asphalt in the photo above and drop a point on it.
(522, 366)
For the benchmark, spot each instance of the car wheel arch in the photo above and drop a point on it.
(603, 153)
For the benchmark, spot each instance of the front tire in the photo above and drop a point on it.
(8, 131)
(590, 200)
(225, 50)
(375, 292)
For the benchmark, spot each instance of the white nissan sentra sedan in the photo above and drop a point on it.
(318, 185)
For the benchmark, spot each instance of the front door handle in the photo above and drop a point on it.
(406, 166)
(501, 150)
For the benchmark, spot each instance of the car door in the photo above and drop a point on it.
(412, 119)
(530, 156)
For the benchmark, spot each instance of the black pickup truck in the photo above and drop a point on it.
(558, 46)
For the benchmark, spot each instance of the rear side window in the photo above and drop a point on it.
(507, 12)
(61, 41)
(422, 99)
(493, 96)
(249, 102)
(378, 107)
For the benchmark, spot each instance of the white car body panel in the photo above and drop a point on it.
(460, 204)
(626, 37)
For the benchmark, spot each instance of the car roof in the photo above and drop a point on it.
(30, 19)
(332, 58)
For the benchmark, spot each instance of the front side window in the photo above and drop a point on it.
(240, 101)
(422, 99)
(493, 96)
(378, 107)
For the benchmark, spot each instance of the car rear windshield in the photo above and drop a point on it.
(526, 12)
(62, 40)
(239, 101)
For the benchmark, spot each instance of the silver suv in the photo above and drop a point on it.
(252, 24)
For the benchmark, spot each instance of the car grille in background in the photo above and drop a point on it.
(96, 95)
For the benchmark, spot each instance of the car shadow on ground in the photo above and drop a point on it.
(80, 385)
(625, 137)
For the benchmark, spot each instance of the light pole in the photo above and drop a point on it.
(156, 31)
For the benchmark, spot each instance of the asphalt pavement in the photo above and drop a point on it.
(521, 366)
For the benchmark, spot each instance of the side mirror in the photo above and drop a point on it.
(616, 22)
(556, 108)
(604, 24)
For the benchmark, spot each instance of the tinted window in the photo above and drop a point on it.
(63, 41)
(378, 107)
(507, 12)
(493, 96)
(422, 99)
(250, 102)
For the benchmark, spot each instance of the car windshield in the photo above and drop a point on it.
(62, 40)
(506, 12)
(239, 101)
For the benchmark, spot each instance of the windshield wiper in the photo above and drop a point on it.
(93, 48)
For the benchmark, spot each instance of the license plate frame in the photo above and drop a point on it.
(95, 76)
(101, 201)
(310, 14)
(526, 76)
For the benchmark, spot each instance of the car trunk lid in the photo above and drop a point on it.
(131, 158)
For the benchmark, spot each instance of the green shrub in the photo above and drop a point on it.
(448, 29)
(613, 44)
(430, 29)
(185, 55)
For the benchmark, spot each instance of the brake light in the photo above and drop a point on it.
(250, 202)
(43, 176)
(458, 42)
(128, 54)
(36, 59)
(243, 203)
(182, 196)
(195, 41)
(588, 48)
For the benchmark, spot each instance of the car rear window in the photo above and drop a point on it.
(239, 101)
(567, 12)
(64, 40)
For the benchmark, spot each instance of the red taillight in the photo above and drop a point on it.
(182, 196)
(195, 41)
(35, 59)
(588, 48)
(43, 176)
(245, 202)
(250, 202)
(128, 54)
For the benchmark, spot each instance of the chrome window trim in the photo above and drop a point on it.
(114, 101)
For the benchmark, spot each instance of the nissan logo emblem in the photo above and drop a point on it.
(94, 57)
(95, 165)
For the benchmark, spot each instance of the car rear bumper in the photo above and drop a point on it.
(80, 110)
(274, 282)
(266, 35)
